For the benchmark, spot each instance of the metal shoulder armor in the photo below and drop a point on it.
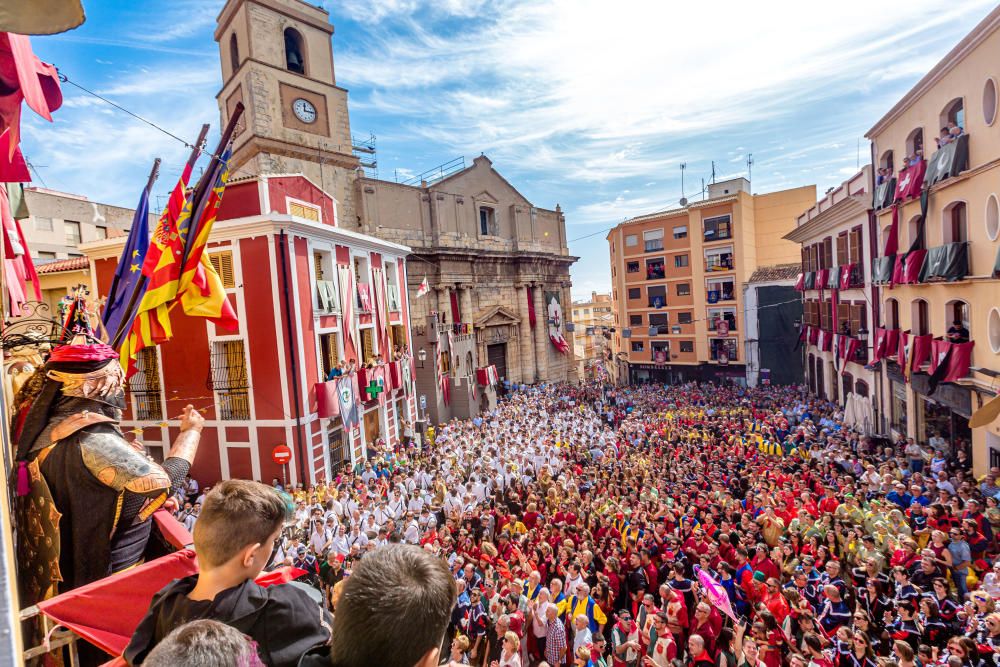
(115, 464)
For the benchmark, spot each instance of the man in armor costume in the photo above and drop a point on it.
(85, 495)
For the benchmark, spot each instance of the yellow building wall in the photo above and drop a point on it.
(774, 216)
(975, 69)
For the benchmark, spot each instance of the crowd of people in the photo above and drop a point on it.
(578, 522)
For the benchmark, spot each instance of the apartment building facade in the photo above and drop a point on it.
(677, 281)
(58, 222)
(835, 235)
(592, 322)
(937, 337)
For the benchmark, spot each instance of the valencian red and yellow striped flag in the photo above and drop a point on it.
(176, 267)
(202, 293)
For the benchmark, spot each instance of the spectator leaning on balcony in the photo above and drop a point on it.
(957, 333)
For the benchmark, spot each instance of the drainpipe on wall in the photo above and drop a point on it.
(300, 452)
(876, 300)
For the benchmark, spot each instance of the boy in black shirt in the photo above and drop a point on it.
(234, 538)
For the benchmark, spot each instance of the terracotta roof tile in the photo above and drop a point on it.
(71, 264)
(766, 274)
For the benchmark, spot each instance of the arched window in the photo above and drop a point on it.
(891, 316)
(234, 53)
(885, 235)
(295, 52)
(861, 388)
(917, 233)
(848, 382)
(956, 311)
(953, 223)
(920, 322)
(954, 112)
(468, 363)
(915, 143)
(886, 160)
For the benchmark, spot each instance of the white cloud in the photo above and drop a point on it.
(99, 151)
(571, 72)
(184, 19)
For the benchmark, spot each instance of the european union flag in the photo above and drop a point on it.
(128, 284)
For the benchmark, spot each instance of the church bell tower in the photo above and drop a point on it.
(277, 58)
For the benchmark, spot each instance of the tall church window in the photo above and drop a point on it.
(234, 53)
(294, 51)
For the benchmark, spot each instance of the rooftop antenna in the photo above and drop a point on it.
(713, 172)
(684, 201)
(703, 189)
(750, 167)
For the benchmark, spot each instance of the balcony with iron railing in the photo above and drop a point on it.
(729, 318)
(944, 263)
(653, 245)
(948, 161)
(655, 271)
(723, 350)
(719, 263)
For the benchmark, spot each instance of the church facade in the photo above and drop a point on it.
(497, 266)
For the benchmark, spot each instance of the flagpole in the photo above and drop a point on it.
(137, 289)
(200, 198)
(140, 285)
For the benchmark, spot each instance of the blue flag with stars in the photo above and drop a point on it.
(128, 285)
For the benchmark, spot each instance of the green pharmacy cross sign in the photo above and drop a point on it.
(373, 389)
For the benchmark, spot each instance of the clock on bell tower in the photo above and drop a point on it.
(277, 58)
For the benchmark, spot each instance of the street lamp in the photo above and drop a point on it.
(422, 357)
(863, 335)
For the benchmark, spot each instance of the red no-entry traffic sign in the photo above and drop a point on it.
(281, 454)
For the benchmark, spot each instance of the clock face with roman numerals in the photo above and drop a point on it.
(304, 110)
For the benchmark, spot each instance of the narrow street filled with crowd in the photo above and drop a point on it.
(579, 521)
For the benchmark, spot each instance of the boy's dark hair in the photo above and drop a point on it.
(393, 609)
(204, 643)
(236, 514)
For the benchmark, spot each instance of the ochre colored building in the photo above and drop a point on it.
(942, 267)
(677, 281)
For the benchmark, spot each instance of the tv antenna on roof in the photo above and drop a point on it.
(750, 167)
(684, 200)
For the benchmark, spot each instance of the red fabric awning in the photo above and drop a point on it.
(173, 531)
(959, 361)
(878, 349)
(910, 181)
(107, 612)
(487, 376)
(822, 276)
(825, 341)
(852, 348)
(327, 405)
(891, 343)
(800, 281)
(906, 270)
(904, 338)
(845, 276)
(920, 351)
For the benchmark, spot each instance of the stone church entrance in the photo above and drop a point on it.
(496, 355)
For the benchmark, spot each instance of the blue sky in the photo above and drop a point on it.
(589, 104)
